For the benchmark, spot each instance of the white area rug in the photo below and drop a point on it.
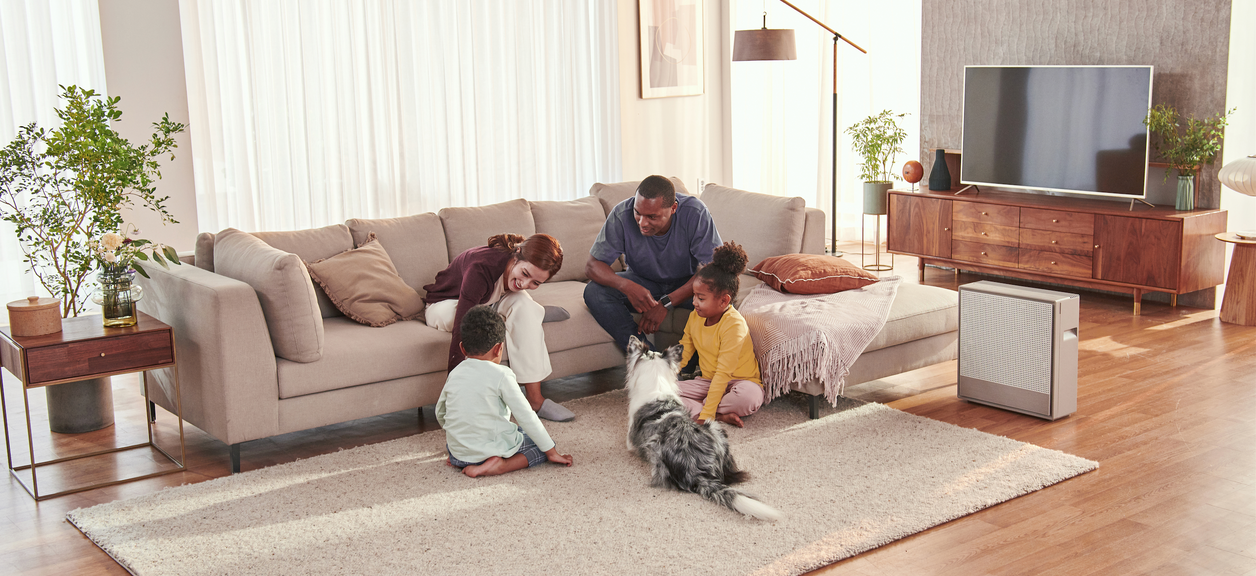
(853, 480)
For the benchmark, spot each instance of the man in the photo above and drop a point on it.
(664, 237)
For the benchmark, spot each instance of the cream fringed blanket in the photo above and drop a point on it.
(804, 337)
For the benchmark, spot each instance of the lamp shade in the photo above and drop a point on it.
(764, 44)
(1240, 175)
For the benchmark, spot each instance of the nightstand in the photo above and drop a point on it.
(86, 349)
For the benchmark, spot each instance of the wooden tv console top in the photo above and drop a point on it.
(1073, 241)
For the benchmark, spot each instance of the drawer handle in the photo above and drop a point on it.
(946, 229)
(1053, 263)
(983, 233)
(983, 253)
(102, 354)
(985, 213)
(1096, 246)
(1054, 220)
(1053, 241)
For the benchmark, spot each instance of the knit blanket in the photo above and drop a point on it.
(798, 338)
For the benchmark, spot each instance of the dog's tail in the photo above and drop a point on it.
(736, 501)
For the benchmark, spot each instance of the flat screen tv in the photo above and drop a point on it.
(1075, 129)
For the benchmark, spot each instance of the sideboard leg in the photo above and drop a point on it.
(235, 458)
(922, 269)
(1138, 300)
(815, 406)
(1173, 300)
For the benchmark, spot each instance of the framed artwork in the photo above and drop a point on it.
(671, 48)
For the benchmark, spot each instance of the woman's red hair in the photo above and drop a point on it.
(540, 250)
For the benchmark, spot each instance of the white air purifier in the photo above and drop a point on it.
(1018, 348)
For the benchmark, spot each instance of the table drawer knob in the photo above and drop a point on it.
(1054, 220)
(985, 213)
(102, 354)
(983, 254)
(1054, 242)
(983, 234)
(946, 229)
(1053, 263)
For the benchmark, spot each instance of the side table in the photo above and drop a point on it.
(86, 349)
(1239, 304)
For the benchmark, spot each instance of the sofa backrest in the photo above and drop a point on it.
(611, 194)
(471, 227)
(311, 245)
(415, 244)
(575, 224)
(763, 224)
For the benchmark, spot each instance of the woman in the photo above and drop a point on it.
(500, 274)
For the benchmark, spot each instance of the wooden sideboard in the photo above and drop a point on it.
(1079, 242)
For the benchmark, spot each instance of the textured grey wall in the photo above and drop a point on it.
(1186, 40)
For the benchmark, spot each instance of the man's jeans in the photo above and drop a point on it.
(613, 311)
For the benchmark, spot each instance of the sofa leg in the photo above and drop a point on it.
(235, 458)
(152, 412)
(815, 406)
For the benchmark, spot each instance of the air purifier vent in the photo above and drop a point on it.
(1007, 341)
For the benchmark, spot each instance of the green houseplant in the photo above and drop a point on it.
(877, 139)
(1185, 148)
(64, 190)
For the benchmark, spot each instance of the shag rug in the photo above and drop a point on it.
(859, 477)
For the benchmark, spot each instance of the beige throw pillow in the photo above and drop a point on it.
(283, 289)
(811, 274)
(363, 283)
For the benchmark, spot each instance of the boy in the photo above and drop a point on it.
(477, 401)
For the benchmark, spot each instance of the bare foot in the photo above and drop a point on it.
(450, 463)
(730, 418)
(485, 468)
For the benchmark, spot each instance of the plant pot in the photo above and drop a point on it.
(117, 296)
(876, 197)
(77, 407)
(1185, 193)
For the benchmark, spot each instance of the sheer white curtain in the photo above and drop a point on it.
(43, 44)
(305, 113)
(782, 111)
(1240, 135)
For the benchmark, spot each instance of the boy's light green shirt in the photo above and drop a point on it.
(475, 407)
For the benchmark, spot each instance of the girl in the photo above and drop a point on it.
(729, 387)
(500, 274)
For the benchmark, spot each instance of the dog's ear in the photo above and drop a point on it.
(635, 346)
(674, 354)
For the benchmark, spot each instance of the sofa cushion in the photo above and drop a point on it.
(414, 243)
(579, 330)
(811, 274)
(355, 354)
(203, 256)
(311, 245)
(471, 227)
(363, 283)
(918, 312)
(283, 288)
(575, 224)
(764, 225)
(611, 194)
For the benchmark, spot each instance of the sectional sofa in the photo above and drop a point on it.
(237, 388)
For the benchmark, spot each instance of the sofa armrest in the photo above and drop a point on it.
(227, 375)
(813, 232)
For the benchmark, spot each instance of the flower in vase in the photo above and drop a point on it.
(120, 251)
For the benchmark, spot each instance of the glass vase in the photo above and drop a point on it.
(117, 295)
(1185, 193)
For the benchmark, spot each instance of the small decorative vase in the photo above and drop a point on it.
(1185, 193)
(117, 295)
(940, 176)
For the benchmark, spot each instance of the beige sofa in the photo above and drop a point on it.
(237, 389)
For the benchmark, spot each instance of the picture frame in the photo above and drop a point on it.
(672, 43)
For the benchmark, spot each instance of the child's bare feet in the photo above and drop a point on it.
(485, 468)
(730, 418)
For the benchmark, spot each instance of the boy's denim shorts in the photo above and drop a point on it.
(529, 450)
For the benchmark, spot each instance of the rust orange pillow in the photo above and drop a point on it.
(811, 274)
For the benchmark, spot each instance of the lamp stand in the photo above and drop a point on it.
(833, 196)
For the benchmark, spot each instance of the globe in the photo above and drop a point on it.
(913, 171)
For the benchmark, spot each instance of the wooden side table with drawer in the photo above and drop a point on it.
(86, 349)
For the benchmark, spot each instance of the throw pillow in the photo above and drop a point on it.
(363, 283)
(811, 274)
(283, 289)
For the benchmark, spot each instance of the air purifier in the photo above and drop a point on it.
(1018, 348)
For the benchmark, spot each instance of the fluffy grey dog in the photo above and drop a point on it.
(682, 453)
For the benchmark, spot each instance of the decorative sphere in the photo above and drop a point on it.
(913, 171)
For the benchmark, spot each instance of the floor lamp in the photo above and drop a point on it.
(778, 44)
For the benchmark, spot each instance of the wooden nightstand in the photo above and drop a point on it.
(86, 349)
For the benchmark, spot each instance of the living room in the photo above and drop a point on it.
(1164, 398)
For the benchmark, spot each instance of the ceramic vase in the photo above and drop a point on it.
(1185, 193)
(117, 296)
(940, 176)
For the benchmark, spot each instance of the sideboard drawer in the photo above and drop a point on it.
(987, 213)
(1057, 263)
(100, 356)
(985, 233)
(1071, 222)
(984, 253)
(1051, 241)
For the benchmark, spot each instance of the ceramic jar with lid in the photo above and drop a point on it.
(34, 316)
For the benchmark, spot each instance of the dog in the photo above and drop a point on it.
(691, 457)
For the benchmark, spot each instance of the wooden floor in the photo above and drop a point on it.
(1166, 404)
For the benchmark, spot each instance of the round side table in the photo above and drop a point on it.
(1239, 304)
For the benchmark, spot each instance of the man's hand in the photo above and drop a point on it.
(638, 296)
(650, 321)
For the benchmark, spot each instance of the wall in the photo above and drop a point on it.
(1187, 41)
(144, 66)
(681, 136)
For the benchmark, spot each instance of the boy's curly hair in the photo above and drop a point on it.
(726, 265)
(482, 328)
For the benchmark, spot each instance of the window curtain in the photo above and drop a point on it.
(1240, 135)
(782, 127)
(44, 44)
(306, 113)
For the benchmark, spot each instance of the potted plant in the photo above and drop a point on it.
(1185, 148)
(64, 191)
(877, 139)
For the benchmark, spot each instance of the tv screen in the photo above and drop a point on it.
(1057, 128)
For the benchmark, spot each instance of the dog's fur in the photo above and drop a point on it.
(682, 453)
